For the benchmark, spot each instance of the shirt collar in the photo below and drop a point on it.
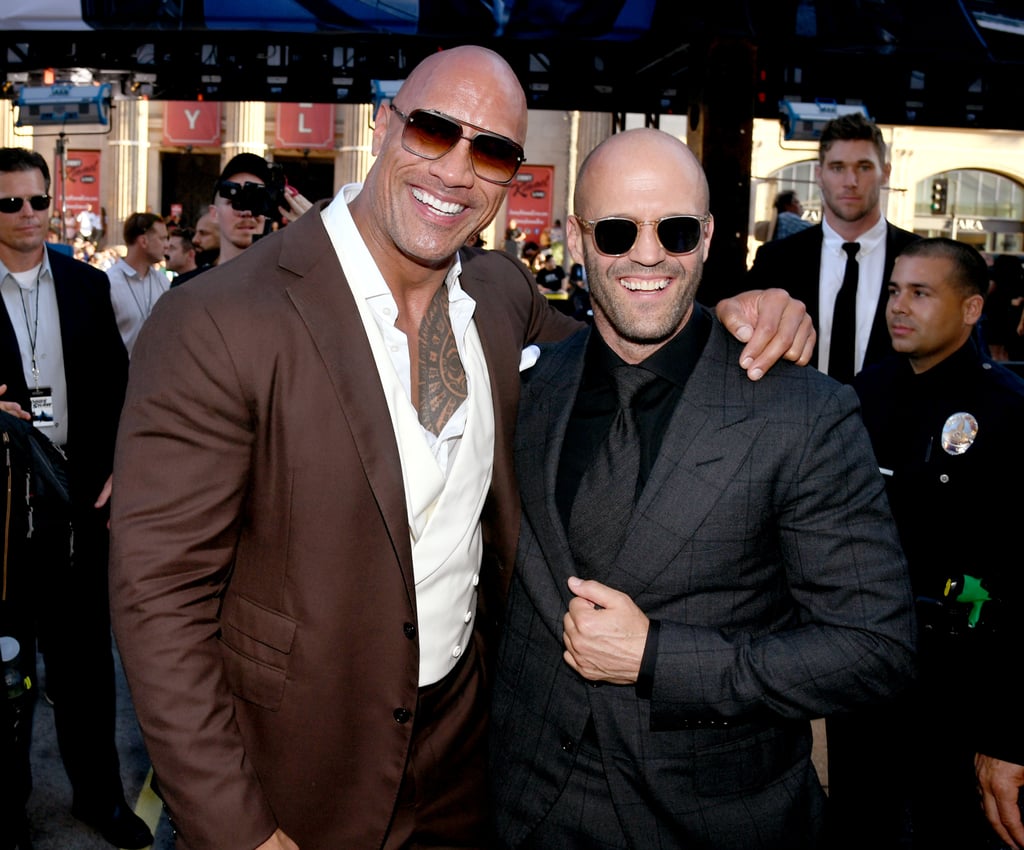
(44, 272)
(129, 271)
(674, 361)
(869, 240)
(356, 261)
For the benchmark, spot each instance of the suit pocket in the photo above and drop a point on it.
(748, 758)
(257, 644)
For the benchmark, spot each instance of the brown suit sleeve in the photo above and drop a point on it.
(181, 470)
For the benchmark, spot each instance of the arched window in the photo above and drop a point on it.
(971, 193)
(981, 208)
(800, 178)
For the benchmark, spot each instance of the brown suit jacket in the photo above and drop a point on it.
(261, 573)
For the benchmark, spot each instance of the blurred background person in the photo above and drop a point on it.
(135, 281)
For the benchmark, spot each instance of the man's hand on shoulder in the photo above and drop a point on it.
(773, 324)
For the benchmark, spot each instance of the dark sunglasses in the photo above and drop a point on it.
(678, 234)
(431, 135)
(13, 205)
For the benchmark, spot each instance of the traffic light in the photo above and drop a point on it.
(940, 188)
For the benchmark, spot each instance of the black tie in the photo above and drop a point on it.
(607, 493)
(841, 353)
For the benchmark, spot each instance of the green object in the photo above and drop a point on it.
(968, 589)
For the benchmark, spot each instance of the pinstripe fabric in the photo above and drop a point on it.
(763, 544)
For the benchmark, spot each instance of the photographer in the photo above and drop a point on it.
(250, 193)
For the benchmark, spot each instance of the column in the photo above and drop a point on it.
(586, 131)
(8, 138)
(245, 129)
(129, 145)
(354, 157)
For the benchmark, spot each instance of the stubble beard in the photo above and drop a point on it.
(643, 328)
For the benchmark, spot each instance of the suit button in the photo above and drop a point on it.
(568, 744)
(410, 631)
(402, 715)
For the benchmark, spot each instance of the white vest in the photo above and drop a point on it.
(444, 516)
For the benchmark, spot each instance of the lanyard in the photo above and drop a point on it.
(32, 327)
(144, 311)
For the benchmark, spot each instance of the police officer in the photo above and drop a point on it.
(946, 423)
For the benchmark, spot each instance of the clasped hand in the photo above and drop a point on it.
(604, 633)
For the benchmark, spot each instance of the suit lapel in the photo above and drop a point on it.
(321, 296)
(548, 394)
(707, 441)
(697, 462)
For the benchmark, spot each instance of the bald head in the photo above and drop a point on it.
(626, 161)
(641, 226)
(422, 197)
(478, 80)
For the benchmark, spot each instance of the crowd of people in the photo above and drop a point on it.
(400, 556)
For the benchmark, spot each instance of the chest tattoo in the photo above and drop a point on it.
(442, 379)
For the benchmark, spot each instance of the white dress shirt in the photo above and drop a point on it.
(871, 266)
(30, 299)
(132, 296)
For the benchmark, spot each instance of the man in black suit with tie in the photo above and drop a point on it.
(844, 262)
(61, 357)
(683, 605)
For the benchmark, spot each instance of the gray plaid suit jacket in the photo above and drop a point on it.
(764, 545)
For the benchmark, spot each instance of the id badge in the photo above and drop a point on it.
(42, 407)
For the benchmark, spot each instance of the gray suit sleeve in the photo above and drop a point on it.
(831, 626)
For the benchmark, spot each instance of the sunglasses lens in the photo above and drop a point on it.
(430, 136)
(680, 234)
(615, 236)
(13, 205)
(495, 158)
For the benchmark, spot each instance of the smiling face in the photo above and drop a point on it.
(929, 314)
(414, 212)
(643, 298)
(851, 178)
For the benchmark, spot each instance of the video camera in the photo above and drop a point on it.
(257, 198)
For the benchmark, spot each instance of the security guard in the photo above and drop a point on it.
(947, 423)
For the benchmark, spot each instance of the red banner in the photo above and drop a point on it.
(191, 123)
(306, 126)
(530, 198)
(83, 181)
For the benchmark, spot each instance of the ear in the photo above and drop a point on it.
(886, 173)
(709, 229)
(574, 239)
(380, 126)
(972, 308)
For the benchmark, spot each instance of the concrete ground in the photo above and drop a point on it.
(49, 809)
